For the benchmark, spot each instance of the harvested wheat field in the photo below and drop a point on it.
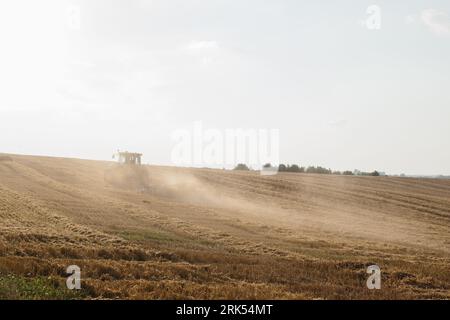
(153, 232)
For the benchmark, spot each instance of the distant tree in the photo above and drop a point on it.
(361, 173)
(290, 168)
(293, 168)
(241, 166)
(318, 169)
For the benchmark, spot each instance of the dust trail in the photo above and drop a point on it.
(317, 204)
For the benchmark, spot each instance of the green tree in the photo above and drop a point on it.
(293, 168)
(242, 167)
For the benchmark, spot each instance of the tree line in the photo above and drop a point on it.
(311, 169)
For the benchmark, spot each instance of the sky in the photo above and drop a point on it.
(347, 87)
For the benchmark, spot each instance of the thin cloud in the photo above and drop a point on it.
(438, 22)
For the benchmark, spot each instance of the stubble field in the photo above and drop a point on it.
(154, 232)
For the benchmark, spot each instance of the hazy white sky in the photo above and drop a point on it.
(129, 73)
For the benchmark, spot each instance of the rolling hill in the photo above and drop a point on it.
(154, 232)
